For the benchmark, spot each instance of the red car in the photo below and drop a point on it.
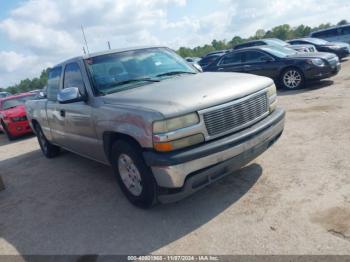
(13, 117)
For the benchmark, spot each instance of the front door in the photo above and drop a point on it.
(79, 129)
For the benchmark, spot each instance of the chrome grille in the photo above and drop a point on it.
(237, 115)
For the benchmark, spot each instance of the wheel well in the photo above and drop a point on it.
(110, 137)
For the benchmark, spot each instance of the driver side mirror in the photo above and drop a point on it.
(42, 95)
(70, 95)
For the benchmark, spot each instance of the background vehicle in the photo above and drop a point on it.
(4, 94)
(340, 49)
(166, 129)
(288, 68)
(13, 115)
(277, 42)
(207, 60)
(192, 59)
(334, 34)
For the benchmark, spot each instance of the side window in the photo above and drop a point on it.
(73, 77)
(231, 59)
(53, 83)
(318, 34)
(255, 57)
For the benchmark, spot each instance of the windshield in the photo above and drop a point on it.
(16, 101)
(119, 71)
(317, 41)
(280, 51)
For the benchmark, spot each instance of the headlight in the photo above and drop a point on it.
(173, 124)
(272, 95)
(316, 62)
(18, 119)
(179, 143)
(333, 46)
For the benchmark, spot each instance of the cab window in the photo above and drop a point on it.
(255, 57)
(73, 77)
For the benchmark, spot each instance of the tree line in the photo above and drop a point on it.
(283, 32)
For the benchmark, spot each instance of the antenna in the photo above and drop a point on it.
(87, 47)
(84, 51)
(109, 45)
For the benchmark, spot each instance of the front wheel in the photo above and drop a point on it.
(292, 79)
(134, 176)
(49, 150)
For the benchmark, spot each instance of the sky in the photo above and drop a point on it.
(36, 34)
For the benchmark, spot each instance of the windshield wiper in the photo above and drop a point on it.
(171, 73)
(118, 83)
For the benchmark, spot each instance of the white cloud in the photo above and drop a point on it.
(12, 64)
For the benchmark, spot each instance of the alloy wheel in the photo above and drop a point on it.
(292, 79)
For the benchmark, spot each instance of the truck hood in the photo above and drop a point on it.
(189, 93)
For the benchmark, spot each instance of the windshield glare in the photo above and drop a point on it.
(110, 69)
(280, 51)
(13, 102)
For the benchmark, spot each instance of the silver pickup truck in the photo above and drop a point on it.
(166, 128)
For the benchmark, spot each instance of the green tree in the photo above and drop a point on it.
(343, 22)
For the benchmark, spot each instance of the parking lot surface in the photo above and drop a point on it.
(294, 199)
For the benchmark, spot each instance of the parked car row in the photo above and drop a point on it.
(290, 64)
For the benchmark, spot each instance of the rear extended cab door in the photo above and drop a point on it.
(54, 130)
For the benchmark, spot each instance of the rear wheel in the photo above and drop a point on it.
(7, 132)
(49, 150)
(134, 176)
(292, 79)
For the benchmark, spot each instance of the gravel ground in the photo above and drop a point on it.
(294, 199)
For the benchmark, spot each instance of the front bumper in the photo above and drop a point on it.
(19, 128)
(318, 73)
(190, 170)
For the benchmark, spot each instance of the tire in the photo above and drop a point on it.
(135, 178)
(292, 79)
(49, 150)
(9, 136)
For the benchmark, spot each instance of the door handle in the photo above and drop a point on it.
(220, 69)
(62, 113)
